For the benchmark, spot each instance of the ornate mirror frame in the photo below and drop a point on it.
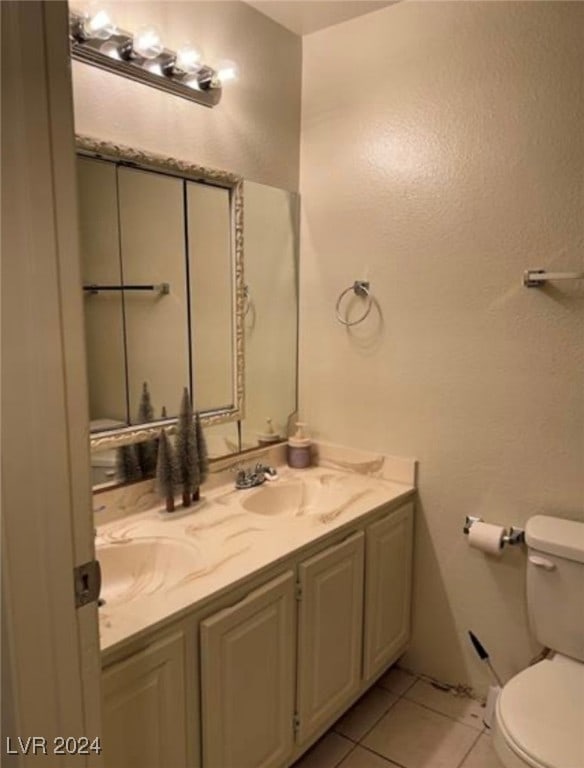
(91, 147)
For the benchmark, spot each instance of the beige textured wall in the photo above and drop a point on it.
(255, 130)
(443, 154)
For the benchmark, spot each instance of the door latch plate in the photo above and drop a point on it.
(87, 581)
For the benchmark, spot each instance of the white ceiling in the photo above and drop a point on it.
(306, 16)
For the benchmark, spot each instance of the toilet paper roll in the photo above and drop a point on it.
(486, 537)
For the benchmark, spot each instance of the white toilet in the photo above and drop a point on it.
(540, 713)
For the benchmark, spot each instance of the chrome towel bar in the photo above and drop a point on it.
(534, 278)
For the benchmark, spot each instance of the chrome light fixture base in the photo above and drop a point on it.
(116, 54)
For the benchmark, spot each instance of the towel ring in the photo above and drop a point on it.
(359, 288)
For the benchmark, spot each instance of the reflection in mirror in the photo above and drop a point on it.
(161, 264)
(270, 310)
(152, 225)
(210, 289)
(104, 315)
(107, 465)
(270, 318)
(222, 440)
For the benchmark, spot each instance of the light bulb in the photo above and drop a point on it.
(98, 25)
(147, 43)
(188, 59)
(227, 71)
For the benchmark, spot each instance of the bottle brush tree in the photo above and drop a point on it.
(202, 453)
(186, 449)
(148, 449)
(166, 470)
(145, 409)
(127, 464)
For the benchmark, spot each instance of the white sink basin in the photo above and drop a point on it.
(275, 498)
(326, 496)
(131, 569)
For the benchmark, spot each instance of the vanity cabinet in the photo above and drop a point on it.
(248, 661)
(144, 707)
(330, 621)
(272, 671)
(388, 578)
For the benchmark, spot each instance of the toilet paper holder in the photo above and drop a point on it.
(512, 537)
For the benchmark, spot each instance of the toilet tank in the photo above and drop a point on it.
(555, 583)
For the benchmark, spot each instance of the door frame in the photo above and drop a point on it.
(50, 649)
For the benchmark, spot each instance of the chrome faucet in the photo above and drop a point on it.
(250, 478)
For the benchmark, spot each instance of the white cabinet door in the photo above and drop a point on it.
(144, 724)
(329, 633)
(388, 578)
(248, 655)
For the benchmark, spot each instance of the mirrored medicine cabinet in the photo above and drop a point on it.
(171, 301)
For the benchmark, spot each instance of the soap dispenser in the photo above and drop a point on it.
(299, 448)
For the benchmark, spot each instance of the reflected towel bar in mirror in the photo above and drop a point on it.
(162, 288)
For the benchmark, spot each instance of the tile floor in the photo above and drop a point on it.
(404, 722)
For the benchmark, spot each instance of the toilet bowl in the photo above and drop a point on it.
(539, 719)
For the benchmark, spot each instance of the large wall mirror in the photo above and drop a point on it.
(161, 249)
(171, 301)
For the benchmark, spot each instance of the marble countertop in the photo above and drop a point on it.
(232, 535)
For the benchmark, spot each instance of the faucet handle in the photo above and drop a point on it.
(269, 472)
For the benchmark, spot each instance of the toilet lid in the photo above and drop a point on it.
(542, 711)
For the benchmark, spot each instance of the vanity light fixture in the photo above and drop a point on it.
(142, 57)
